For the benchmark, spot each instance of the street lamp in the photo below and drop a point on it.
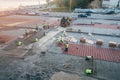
(39, 3)
(70, 6)
(20, 5)
(48, 4)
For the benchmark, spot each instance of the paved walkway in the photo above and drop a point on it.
(107, 54)
(105, 26)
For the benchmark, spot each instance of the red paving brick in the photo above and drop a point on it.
(99, 53)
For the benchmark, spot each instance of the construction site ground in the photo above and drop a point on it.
(44, 60)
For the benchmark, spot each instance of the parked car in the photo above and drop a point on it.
(88, 14)
(110, 12)
(45, 13)
(89, 11)
(82, 15)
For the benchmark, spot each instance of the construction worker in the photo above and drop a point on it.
(36, 39)
(60, 39)
(26, 32)
(64, 33)
(66, 47)
(68, 21)
(62, 22)
(45, 26)
(19, 43)
(88, 71)
(36, 28)
(44, 33)
(89, 58)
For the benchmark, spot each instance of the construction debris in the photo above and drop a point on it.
(70, 39)
(66, 65)
(112, 44)
(99, 42)
(83, 40)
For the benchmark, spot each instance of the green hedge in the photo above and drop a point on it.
(61, 9)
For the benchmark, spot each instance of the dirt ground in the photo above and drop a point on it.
(20, 20)
(43, 60)
(5, 38)
(15, 25)
(65, 76)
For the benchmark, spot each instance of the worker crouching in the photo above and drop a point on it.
(60, 40)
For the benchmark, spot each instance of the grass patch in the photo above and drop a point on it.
(61, 9)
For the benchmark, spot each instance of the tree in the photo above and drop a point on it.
(82, 3)
(60, 3)
(74, 3)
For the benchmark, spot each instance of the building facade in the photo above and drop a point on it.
(110, 3)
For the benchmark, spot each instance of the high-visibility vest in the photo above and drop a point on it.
(64, 33)
(45, 25)
(60, 39)
(67, 45)
(36, 39)
(19, 43)
(88, 71)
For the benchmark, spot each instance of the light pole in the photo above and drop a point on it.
(118, 5)
(20, 5)
(39, 3)
(48, 4)
(70, 6)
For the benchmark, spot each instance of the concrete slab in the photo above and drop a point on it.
(65, 76)
(48, 37)
(55, 49)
